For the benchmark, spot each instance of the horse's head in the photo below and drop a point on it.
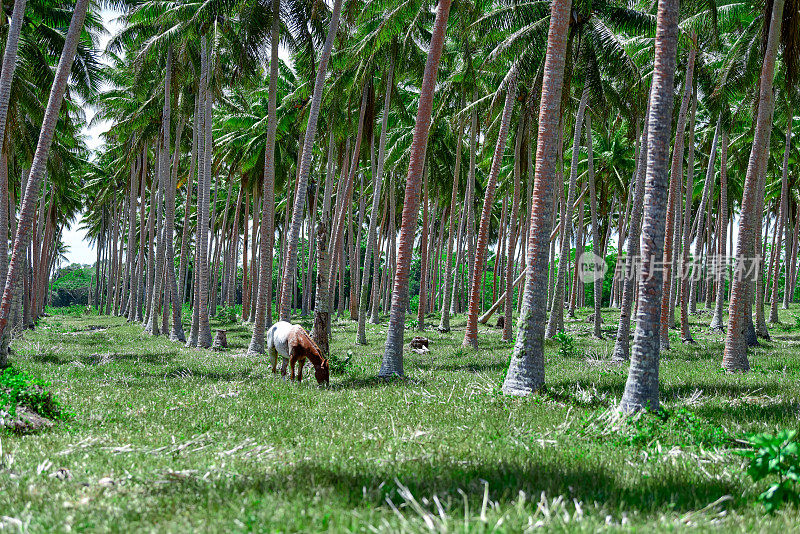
(322, 372)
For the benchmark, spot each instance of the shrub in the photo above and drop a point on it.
(340, 365)
(567, 344)
(779, 456)
(20, 389)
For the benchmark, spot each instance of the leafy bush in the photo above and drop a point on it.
(777, 455)
(227, 314)
(567, 344)
(340, 365)
(647, 428)
(20, 389)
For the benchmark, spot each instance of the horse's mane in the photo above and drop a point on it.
(314, 356)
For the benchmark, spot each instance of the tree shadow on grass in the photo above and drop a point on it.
(374, 382)
(362, 484)
(103, 358)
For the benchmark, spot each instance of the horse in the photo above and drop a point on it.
(295, 345)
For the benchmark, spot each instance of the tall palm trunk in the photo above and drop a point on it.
(721, 261)
(526, 369)
(471, 332)
(373, 216)
(622, 345)
(204, 328)
(690, 277)
(176, 330)
(512, 231)
(773, 309)
(447, 293)
(40, 156)
(393, 356)
(423, 254)
(263, 304)
(163, 177)
(556, 321)
(290, 263)
(735, 358)
(597, 245)
(641, 387)
(676, 177)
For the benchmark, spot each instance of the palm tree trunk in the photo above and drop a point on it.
(163, 177)
(597, 246)
(41, 155)
(290, 263)
(392, 364)
(735, 357)
(267, 230)
(447, 293)
(176, 330)
(676, 177)
(556, 321)
(641, 388)
(628, 274)
(204, 328)
(373, 217)
(471, 332)
(512, 231)
(526, 369)
(782, 217)
(423, 254)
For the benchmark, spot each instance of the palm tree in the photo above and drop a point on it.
(526, 370)
(39, 163)
(735, 358)
(290, 264)
(471, 332)
(392, 364)
(641, 388)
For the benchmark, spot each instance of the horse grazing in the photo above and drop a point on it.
(295, 345)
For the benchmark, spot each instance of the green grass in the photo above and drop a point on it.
(169, 439)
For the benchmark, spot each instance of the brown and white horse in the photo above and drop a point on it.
(295, 345)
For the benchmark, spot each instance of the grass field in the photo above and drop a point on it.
(169, 439)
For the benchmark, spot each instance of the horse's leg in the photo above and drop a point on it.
(274, 355)
(300, 371)
(283, 367)
(291, 368)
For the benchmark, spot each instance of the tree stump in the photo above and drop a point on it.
(221, 340)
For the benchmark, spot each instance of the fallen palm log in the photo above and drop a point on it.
(488, 315)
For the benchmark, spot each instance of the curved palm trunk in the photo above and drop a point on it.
(735, 358)
(290, 263)
(393, 356)
(597, 246)
(556, 321)
(622, 345)
(512, 233)
(267, 230)
(471, 332)
(690, 278)
(372, 232)
(721, 263)
(39, 164)
(526, 369)
(773, 308)
(676, 177)
(641, 387)
(447, 291)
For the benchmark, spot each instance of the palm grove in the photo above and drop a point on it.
(365, 158)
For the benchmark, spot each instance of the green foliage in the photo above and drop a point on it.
(651, 429)
(228, 314)
(71, 285)
(75, 310)
(566, 344)
(775, 456)
(20, 389)
(340, 365)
